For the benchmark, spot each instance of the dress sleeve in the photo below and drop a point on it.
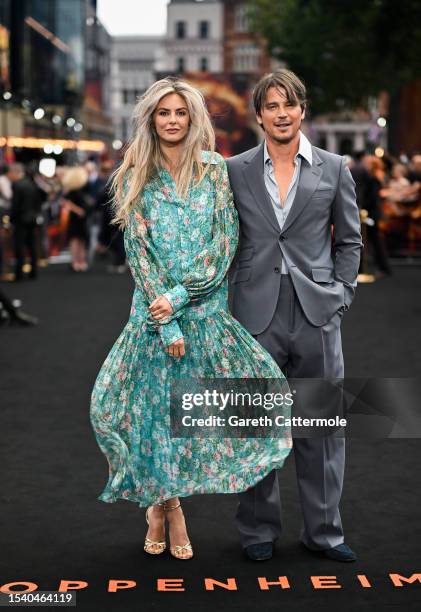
(209, 267)
(150, 274)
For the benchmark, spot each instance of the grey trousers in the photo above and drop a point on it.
(302, 351)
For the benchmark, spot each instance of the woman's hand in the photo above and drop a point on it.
(176, 349)
(160, 308)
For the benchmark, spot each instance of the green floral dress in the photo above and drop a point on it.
(182, 249)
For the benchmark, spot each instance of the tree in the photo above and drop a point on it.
(345, 50)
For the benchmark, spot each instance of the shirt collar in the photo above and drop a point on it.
(304, 149)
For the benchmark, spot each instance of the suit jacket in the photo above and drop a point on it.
(323, 264)
(27, 200)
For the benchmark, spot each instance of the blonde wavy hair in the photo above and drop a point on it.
(74, 178)
(144, 153)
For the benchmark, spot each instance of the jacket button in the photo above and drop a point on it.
(276, 270)
(282, 237)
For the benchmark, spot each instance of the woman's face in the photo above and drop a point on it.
(171, 119)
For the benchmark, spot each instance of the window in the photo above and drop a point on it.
(128, 65)
(246, 58)
(180, 29)
(130, 96)
(203, 64)
(240, 18)
(180, 66)
(124, 129)
(204, 29)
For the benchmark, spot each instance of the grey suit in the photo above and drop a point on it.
(296, 317)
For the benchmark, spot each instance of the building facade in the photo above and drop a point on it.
(194, 38)
(244, 51)
(134, 62)
(54, 76)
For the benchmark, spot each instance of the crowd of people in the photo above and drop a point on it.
(389, 191)
(43, 215)
(71, 208)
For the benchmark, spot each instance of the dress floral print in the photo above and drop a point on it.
(180, 248)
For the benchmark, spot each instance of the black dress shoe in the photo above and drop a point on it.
(259, 552)
(342, 552)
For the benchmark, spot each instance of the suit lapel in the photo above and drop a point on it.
(309, 179)
(253, 174)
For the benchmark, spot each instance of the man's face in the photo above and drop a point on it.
(13, 175)
(280, 118)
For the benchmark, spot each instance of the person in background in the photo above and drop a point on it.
(24, 215)
(5, 200)
(76, 202)
(414, 175)
(372, 203)
(92, 190)
(110, 237)
(362, 178)
(32, 171)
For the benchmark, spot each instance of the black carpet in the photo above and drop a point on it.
(53, 528)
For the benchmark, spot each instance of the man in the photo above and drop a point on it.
(24, 215)
(289, 290)
(367, 189)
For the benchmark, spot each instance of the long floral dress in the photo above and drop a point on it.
(180, 248)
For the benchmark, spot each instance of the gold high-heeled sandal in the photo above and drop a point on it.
(149, 544)
(177, 549)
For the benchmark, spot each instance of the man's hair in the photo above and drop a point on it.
(281, 79)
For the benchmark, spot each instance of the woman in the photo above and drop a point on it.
(181, 233)
(74, 200)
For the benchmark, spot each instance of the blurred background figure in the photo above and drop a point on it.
(5, 202)
(361, 177)
(368, 173)
(372, 203)
(44, 189)
(25, 215)
(110, 237)
(93, 189)
(396, 189)
(76, 201)
(414, 175)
